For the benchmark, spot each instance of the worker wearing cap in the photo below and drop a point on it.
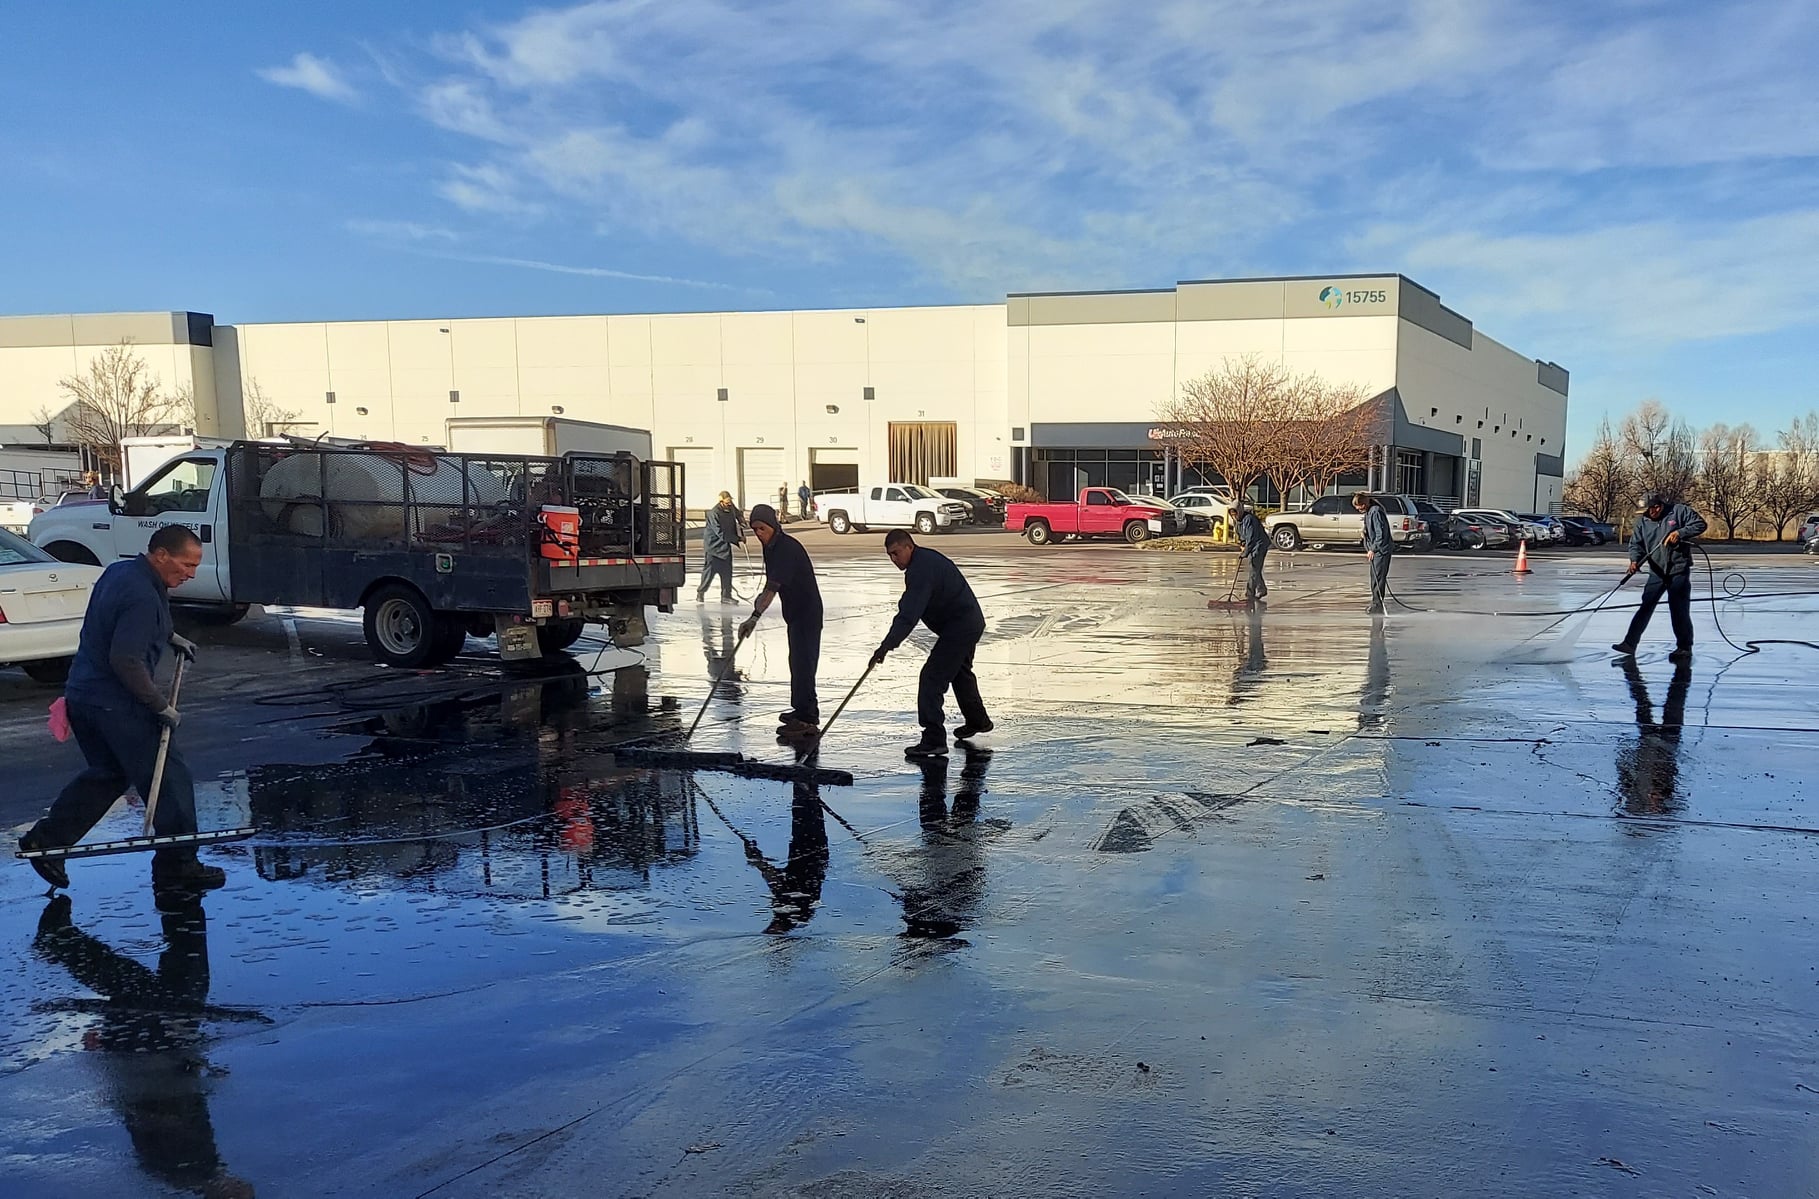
(936, 594)
(719, 534)
(1379, 547)
(789, 575)
(1254, 545)
(1663, 541)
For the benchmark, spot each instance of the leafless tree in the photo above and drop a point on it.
(118, 397)
(1726, 486)
(45, 421)
(1662, 451)
(1604, 480)
(1788, 476)
(264, 414)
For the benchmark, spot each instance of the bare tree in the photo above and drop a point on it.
(118, 397)
(1228, 418)
(1604, 480)
(45, 422)
(1788, 477)
(264, 414)
(1663, 453)
(1726, 486)
(1334, 432)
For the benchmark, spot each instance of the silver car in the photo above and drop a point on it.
(1331, 520)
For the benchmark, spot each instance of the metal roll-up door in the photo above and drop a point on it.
(761, 472)
(700, 488)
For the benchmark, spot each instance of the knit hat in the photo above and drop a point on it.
(1649, 501)
(764, 514)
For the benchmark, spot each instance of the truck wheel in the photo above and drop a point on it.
(1037, 532)
(558, 635)
(1286, 537)
(52, 671)
(451, 638)
(838, 523)
(401, 628)
(925, 523)
(69, 551)
(1136, 531)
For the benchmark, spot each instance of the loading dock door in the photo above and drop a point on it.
(760, 474)
(700, 489)
(921, 450)
(833, 469)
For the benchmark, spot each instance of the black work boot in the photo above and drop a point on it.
(798, 730)
(1683, 654)
(967, 732)
(188, 872)
(932, 745)
(1624, 648)
(49, 869)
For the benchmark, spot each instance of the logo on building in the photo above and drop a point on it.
(1332, 297)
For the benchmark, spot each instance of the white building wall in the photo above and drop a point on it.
(31, 378)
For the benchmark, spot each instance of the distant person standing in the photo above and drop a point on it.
(805, 498)
(118, 714)
(719, 534)
(1663, 541)
(783, 498)
(1254, 545)
(1379, 547)
(938, 595)
(96, 489)
(789, 574)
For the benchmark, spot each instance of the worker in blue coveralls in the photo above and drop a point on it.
(1663, 541)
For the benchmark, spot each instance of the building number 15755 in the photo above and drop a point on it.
(1366, 297)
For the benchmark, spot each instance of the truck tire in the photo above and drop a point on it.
(558, 635)
(401, 628)
(451, 638)
(1037, 532)
(1286, 537)
(838, 523)
(51, 671)
(925, 523)
(69, 551)
(1136, 531)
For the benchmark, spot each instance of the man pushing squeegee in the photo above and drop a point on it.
(123, 724)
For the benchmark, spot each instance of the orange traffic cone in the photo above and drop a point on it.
(1522, 557)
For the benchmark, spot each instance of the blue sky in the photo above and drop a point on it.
(1630, 188)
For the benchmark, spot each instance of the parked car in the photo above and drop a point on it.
(983, 507)
(42, 602)
(1551, 527)
(1585, 530)
(1204, 509)
(1809, 528)
(890, 506)
(16, 515)
(1525, 529)
(1457, 532)
(1331, 520)
(1099, 512)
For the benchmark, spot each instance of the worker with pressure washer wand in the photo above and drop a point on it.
(1663, 541)
(120, 717)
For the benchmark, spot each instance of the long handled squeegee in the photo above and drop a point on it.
(149, 840)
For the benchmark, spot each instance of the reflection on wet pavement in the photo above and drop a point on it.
(1288, 902)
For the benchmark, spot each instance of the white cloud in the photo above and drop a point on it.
(591, 272)
(317, 76)
(401, 231)
(485, 188)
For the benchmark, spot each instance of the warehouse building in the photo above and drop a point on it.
(1052, 390)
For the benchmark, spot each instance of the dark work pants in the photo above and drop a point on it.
(1253, 583)
(804, 660)
(1679, 588)
(1380, 579)
(121, 748)
(721, 568)
(950, 664)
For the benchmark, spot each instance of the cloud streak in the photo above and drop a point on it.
(317, 76)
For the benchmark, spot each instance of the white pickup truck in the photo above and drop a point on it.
(890, 506)
(435, 547)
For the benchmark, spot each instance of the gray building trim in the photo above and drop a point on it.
(1094, 435)
(106, 329)
(1552, 376)
(1092, 308)
(1551, 465)
(1422, 307)
(1405, 434)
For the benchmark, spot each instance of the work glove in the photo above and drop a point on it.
(878, 656)
(750, 623)
(184, 646)
(169, 717)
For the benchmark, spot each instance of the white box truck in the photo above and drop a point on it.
(542, 437)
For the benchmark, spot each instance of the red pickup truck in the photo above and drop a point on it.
(1100, 512)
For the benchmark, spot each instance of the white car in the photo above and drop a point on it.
(42, 602)
(1215, 506)
(890, 506)
(1809, 528)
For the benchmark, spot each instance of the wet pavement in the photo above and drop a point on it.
(1288, 903)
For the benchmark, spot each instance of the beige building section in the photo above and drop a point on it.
(39, 353)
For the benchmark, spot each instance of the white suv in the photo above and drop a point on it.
(1809, 528)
